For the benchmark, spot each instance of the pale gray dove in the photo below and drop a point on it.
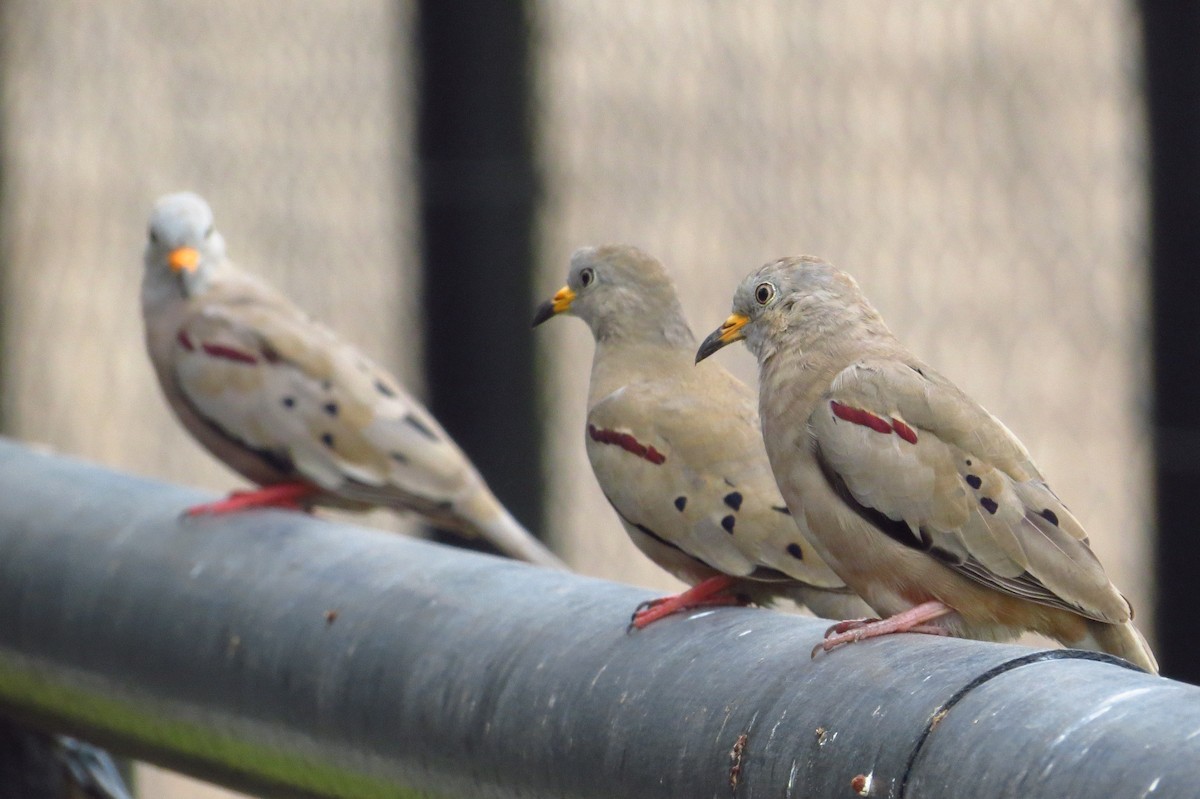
(281, 400)
(677, 450)
(916, 496)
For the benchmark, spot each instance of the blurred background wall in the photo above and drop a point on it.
(981, 168)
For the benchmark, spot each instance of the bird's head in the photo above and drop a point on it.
(797, 300)
(620, 292)
(182, 242)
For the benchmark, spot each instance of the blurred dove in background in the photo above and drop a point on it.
(677, 450)
(281, 400)
(916, 496)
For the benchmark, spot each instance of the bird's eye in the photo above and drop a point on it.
(764, 293)
(586, 277)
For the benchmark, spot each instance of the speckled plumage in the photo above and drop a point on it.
(676, 448)
(908, 488)
(279, 398)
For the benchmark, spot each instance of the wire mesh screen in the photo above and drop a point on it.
(292, 119)
(977, 166)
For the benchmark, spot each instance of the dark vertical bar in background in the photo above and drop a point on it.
(478, 190)
(1171, 49)
(26, 764)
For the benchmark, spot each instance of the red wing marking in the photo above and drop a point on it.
(904, 431)
(626, 442)
(859, 416)
(185, 341)
(876, 423)
(228, 353)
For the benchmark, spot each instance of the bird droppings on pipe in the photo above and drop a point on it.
(735, 761)
(330, 616)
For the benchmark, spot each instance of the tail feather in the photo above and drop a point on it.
(832, 604)
(482, 515)
(1122, 640)
(507, 535)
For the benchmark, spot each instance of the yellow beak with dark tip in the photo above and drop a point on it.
(184, 259)
(561, 302)
(729, 332)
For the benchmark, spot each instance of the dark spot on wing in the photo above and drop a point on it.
(781, 509)
(331, 408)
(648, 532)
(384, 389)
(327, 439)
(289, 402)
(795, 551)
(728, 523)
(988, 504)
(1050, 516)
(398, 457)
(973, 481)
(680, 503)
(734, 500)
(420, 427)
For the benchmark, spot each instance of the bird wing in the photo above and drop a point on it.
(686, 465)
(267, 376)
(929, 467)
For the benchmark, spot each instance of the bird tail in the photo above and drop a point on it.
(487, 518)
(836, 604)
(1122, 640)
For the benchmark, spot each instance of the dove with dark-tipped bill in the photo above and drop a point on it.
(916, 496)
(281, 400)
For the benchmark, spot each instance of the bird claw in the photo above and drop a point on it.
(913, 620)
(288, 496)
(640, 611)
(848, 624)
(708, 593)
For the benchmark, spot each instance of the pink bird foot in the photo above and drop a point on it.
(912, 620)
(290, 496)
(708, 593)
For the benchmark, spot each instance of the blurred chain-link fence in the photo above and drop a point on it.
(979, 167)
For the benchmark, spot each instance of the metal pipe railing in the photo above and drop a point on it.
(288, 656)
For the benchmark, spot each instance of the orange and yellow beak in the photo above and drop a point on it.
(184, 259)
(562, 301)
(729, 332)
